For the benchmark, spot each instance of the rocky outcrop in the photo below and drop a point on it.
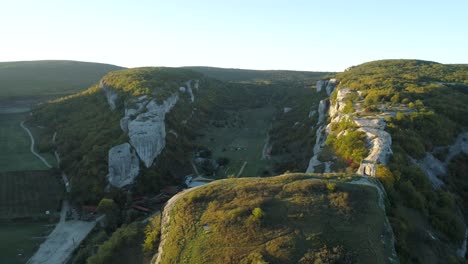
(110, 93)
(436, 169)
(338, 105)
(320, 84)
(320, 137)
(433, 168)
(460, 146)
(123, 165)
(147, 132)
(189, 90)
(321, 110)
(379, 141)
(331, 85)
(379, 145)
(144, 122)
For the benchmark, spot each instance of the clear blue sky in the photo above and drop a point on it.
(256, 34)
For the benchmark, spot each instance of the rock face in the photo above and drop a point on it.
(379, 144)
(331, 86)
(321, 110)
(123, 165)
(147, 131)
(144, 122)
(337, 107)
(110, 93)
(320, 84)
(433, 168)
(189, 89)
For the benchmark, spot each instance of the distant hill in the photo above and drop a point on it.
(243, 75)
(49, 78)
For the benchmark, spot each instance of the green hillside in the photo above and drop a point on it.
(49, 78)
(266, 76)
(286, 219)
(427, 105)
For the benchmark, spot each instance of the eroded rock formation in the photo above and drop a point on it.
(124, 165)
(144, 122)
(110, 93)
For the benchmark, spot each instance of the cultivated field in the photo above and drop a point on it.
(15, 154)
(29, 194)
(19, 241)
(240, 138)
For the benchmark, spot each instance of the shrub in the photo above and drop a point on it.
(257, 212)
(152, 235)
(331, 186)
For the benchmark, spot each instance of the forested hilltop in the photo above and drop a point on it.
(424, 106)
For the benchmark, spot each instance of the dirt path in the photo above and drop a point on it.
(242, 169)
(266, 149)
(32, 146)
(63, 240)
(195, 169)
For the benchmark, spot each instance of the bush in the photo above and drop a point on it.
(331, 186)
(257, 212)
(152, 235)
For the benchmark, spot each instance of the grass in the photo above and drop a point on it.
(299, 217)
(15, 145)
(29, 194)
(246, 129)
(19, 241)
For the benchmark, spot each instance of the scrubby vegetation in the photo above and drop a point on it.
(284, 219)
(430, 101)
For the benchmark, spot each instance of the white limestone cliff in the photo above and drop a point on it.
(331, 86)
(433, 168)
(144, 122)
(321, 110)
(379, 144)
(124, 165)
(320, 84)
(147, 132)
(189, 90)
(110, 93)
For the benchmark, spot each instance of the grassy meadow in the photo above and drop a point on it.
(240, 138)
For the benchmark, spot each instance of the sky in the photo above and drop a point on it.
(311, 35)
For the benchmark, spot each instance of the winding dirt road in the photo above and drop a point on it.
(32, 146)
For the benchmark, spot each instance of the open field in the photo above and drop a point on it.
(15, 145)
(29, 194)
(19, 241)
(240, 139)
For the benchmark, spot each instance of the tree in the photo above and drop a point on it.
(111, 210)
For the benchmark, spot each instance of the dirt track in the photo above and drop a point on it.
(63, 240)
